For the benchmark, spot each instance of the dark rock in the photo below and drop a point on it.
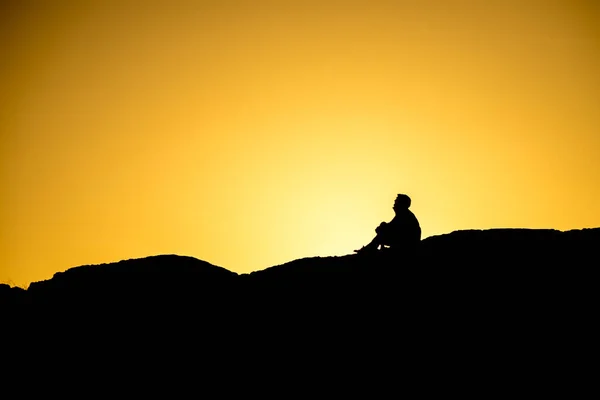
(476, 296)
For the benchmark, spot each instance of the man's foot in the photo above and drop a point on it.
(366, 250)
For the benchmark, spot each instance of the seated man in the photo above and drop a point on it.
(402, 233)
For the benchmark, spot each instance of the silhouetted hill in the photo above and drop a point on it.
(159, 279)
(511, 258)
(477, 296)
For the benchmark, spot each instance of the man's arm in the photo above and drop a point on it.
(381, 228)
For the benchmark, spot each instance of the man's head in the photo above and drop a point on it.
(402, 202)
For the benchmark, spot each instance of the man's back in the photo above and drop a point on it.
(406, 228)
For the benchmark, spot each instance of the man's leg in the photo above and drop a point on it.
(371, 247)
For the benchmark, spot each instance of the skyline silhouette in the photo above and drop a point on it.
(509, 308)
(493, 296)
(510, 248)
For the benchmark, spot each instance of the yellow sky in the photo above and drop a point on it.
(249, 133)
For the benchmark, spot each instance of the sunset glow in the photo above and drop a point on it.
(252, 133)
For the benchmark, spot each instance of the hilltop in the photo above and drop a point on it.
(477, 295)
(494, 257)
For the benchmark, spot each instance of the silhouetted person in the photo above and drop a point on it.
(402, 234)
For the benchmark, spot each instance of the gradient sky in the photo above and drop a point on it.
(252, 133)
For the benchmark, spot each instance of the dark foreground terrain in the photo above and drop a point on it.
(494, 307)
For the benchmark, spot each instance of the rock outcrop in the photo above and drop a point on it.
(495, 300)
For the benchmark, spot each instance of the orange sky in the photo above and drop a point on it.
(249, 133)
